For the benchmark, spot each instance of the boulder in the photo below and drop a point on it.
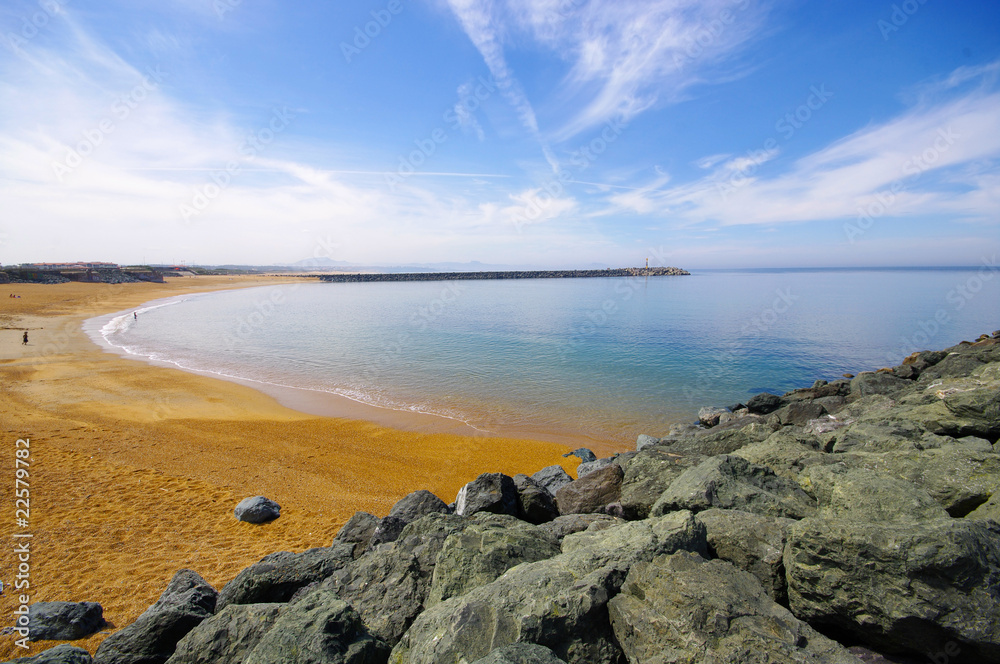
(922, 584)
(954, 365)
(753, 543)
(978, 407)
(591, 492)
(731, 482)
(152, 638)
(319, 628)
(644, 441)
(878, 435)
(862, 494)
(583, 454)
(486, 548)
(764, 403)
(552, 478)
(559, 603)
(257, 509)
(975, 443)
(709, 415)
(418, 504)
(64, 621)
(61, 654)
(275, 578)
(590, 466)
(534, 503)
(867, 383)
(648, 475)
(788, 452)
(574, 523)
(357, 532)
(389, 587)
(799, 413)
(722, 439)
(490, 492)
(959, 478)
(988, 510)
(683, 608)
(387, 530)
(228, 636)
(521, 653)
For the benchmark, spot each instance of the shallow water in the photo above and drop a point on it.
(603, 358)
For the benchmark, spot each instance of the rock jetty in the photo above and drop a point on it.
(852, 521)
(513, 274)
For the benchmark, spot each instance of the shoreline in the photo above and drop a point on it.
(136, 468)
(323, 403)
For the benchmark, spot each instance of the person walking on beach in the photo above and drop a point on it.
(24, 339)
(135, 316)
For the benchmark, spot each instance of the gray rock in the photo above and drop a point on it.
(722, 439)
(975, 443)
(954, 365)
(534, 503)
(979, 408)
(418, 504)
(389, 587)
(731, 482)
(521, 653)
(799, 414)
(648, 475)
(864, 495)
(574, 523)
(921, 584)
(490, 492)
(64, 621)
(590, 466)
(358, 532)
(151, 639)
(486, 548)
(257, 509)
(644, 441)
(582, 453)
(753, 543)
(867, 383)
(709, 415)
(319, 628)
(559, 603)
(552, 478)
(275, 578)
(879, 436)
(387, 530)
(683, 608)
(591, 492)
(228, 636)
(764, 403)
(61, 654)
(788, 454)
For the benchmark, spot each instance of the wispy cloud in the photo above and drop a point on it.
(935, 158)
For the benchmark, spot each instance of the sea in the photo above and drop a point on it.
(601, 359)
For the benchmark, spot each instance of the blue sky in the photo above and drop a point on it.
(557, 133)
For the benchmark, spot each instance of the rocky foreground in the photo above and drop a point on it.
(851, 518)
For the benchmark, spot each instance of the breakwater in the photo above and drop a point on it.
(512, 274)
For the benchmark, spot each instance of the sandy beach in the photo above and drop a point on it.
(135, 469)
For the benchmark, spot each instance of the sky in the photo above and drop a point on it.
(545, 133)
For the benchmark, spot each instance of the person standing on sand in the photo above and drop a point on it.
(135, 316)
(24, 340)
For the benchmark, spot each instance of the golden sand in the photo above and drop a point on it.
(135, 469)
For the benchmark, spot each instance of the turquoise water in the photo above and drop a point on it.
(605, 358)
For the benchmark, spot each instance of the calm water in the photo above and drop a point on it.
(607, 358)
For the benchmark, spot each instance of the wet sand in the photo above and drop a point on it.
(135, 469)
